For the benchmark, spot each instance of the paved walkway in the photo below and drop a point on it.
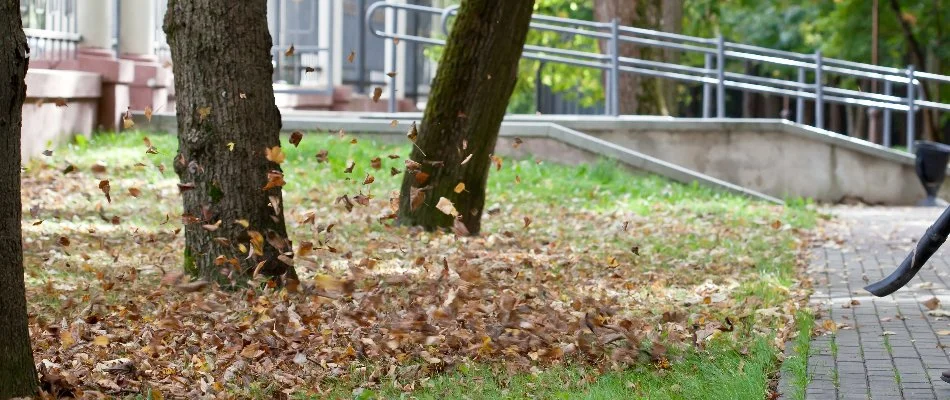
(885, 348)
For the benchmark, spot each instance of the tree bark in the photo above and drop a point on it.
(17, 373)
(227, 117)
(476, 76)
(930, 127)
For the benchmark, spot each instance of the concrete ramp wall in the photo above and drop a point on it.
(766, 159)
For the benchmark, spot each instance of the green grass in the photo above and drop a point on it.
(726, 369)
(796, 365)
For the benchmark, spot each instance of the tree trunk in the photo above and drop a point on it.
(227, 117)
(475, 78)
(642, 95)
(17, 374)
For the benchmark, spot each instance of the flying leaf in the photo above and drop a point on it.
(361, 199)
(517, 143)
(416, 198)
(376, 163)
(63, 241)
(412, 165)
(497, 161)
(257, 242)
(421, 178)
(48, 153)
(446, 206)
(527, 221)
(296, 137)
(350, 57)
(230, 146)
(413, 133)
(242, 222)
(391, 74)
(346, 202)
(274, 179)
(104, 186)
(369, 179)
(148, 113)
(376, 94)
(459, 228)
(275, 154)
(349, 167)
(60, 102)
(290, 51)
(203, 112)
(322, 156)
(127, 122)
(460, 187)
(393, 171)
(467, 159)
(308, 70)
(394, 123)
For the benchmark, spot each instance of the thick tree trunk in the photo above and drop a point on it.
(476, 76)
(17, 374)
(227, 117)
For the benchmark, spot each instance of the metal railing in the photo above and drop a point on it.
(811, 71)
(51, 28)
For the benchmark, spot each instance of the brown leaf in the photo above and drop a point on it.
(394, 123)
(104, 187)
(295, 138)
(63, 241)
(184, 187)
(322, 156)
(517, 142)
(361, 199)
(459, 188)
(60, 102)
(393, 156)
(497, 161)
(134, 192)
(376, 163)
(393, 171)
(203, 112)
(308, 69)
(412, 165)
(290, 51)
(98, 168)
(305, 249)
(369, 179)
(48, 153)
(931, 303)
(527, 221)
(346, 202)
(391, 74)
(148, 114)
(254, 349)
(349, 167)
(350, 57)
(376, 94)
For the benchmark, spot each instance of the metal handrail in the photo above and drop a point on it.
(717, 54)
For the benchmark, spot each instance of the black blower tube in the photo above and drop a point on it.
(926, 247)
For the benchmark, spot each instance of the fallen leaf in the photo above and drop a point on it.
(931, 303)
(253, 350)
(134, 192)
(412, 133)
(938, 313)
(888, 333)
(60, 102)
(377, 93)
(943, 332)
(63, 241)
(101, 341)
(322, 156)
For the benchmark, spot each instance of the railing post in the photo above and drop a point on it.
(819, 98)
(799, 100)
(911, 93)
(887, 115)
(392, 29)
(614, 87)
(720, 75)
(707, 89)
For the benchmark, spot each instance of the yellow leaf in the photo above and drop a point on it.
(230, 146)
(127, 123)
(252, 350)
(101, 341)
(447, 207)
(66, 339)
(203, 112)
(242, 222)
(460, 187)
(148, 113)
(943, 332)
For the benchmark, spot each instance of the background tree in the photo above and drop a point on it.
(227, 121)
(639, 94)
(475, 79)
(17, 374)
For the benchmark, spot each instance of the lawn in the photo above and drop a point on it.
(587, 282)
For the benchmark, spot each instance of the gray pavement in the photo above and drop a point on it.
(884, 348)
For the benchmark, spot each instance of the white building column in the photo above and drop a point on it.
(137, 28)
(94, 23)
